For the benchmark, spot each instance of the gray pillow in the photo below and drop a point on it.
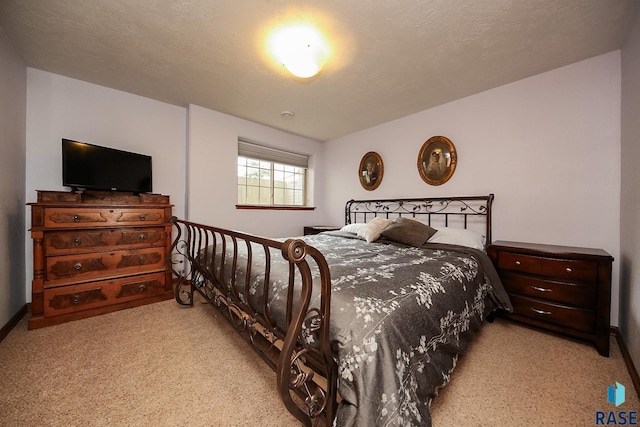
(408, 231)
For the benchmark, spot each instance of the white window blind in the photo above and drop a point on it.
(260, 152)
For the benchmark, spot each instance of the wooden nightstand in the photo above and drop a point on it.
(559, 288)
(315, 229)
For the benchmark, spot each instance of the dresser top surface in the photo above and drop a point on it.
(99, 199)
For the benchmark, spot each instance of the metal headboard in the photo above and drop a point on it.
(462, 212)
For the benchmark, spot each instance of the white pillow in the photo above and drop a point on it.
(353, 228)
(371, 231)
(458, 236)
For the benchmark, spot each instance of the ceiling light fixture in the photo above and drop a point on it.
(300, 48)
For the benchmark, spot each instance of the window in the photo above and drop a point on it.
(270, 177)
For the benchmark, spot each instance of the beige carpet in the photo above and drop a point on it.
(165, 365)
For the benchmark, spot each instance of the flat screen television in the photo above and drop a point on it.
(88, 166)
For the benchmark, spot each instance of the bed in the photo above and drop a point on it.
(362, 325)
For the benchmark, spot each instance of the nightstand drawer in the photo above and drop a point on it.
(576, 318)
(519, 262)
(564, 269)
(573, 294)
(315, 229)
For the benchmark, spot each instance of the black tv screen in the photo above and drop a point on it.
(88, 166)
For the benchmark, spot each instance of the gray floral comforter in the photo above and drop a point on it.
(400, 317)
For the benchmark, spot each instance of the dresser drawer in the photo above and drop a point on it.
(572, 317)
(573, 294)
(82, 267)
(83, 240)
(89, 217)
(73, 298)
(563, 269)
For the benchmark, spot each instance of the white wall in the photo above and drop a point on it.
(630, 194)
(212, 175)
(60, 107)
(13, 96)
(548, 147)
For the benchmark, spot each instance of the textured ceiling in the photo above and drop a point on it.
(388, 58)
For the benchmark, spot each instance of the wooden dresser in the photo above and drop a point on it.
(559, 288)
(96, 252)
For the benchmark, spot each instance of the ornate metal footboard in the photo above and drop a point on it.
(221, 264)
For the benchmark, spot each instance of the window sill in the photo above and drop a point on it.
(276, 208)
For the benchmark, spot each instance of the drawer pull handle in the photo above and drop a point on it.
(142, 287)
(543, 312)
(539, 289)
(75, 299)
(517, 262)
(142, 237)
(568, 270)
(78, 266)
(141, 217)
(141, 260)
(77, 241)
(76, 218)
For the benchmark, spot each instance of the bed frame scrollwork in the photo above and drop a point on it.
(306, 375)
(461, 212)
(300, 352)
